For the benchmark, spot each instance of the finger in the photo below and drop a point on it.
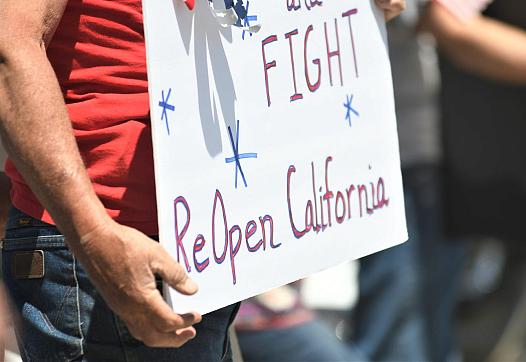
(170, 339)
(160, 326)
(172, 273)
(164, 319)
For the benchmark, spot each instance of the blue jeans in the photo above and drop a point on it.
(389, 321)
(63, 317)
(408, 293)
(311, 341)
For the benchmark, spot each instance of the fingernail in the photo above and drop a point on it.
(191, 286)
(190, 4)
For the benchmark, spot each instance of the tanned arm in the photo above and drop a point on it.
(483, 46)
(37, 134)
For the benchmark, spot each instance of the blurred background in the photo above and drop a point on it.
(456, 291)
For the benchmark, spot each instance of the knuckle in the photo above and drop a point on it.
(165, 329)
(168, 327)
(178, 274)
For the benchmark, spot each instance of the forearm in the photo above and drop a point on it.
(37, 134)
(482, 46)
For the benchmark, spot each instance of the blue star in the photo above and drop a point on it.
(166, 106)
(237, 156)
(350, 109)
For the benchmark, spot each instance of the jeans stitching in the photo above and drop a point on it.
(47, 322)
(78, 305)
(63, 304)
(35, 242)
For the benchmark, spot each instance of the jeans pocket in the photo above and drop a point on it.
(49, 307)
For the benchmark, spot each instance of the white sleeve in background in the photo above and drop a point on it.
(465, 10)
(333, 289)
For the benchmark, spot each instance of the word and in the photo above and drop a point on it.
(295, 5)
(333, 207)
(227, 245)
(313, 78)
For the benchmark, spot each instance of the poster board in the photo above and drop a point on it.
(276, 153)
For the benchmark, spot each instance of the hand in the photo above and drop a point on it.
(391, 8)
(122, 263)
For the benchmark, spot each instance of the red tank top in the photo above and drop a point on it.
(99, 56)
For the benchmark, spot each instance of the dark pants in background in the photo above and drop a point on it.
(408, 293)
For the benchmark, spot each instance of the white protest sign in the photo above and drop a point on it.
(276, 153)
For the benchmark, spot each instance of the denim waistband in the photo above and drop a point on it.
(17, 219)
(24, 232)
(34, 243)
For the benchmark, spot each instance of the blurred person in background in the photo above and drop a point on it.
(408, 294)
(483, 71)
(275, 326)
(483, 67)
(483, 61)
(49, 165)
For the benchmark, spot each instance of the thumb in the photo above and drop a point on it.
(172, 273)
